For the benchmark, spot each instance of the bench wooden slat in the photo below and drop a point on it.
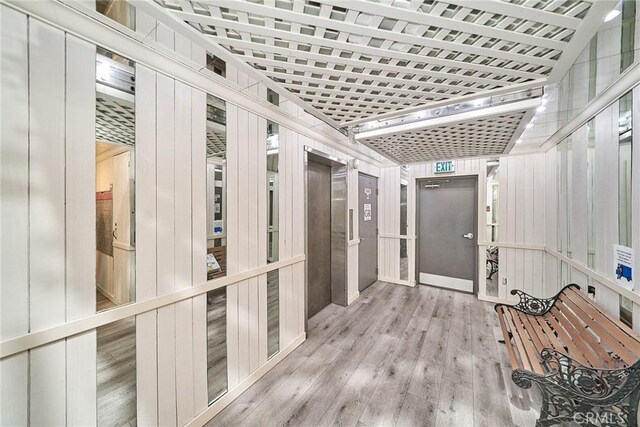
(549, 335)
(619, 330)
(593, 340)
(565, 338)
(507, 341)
(534, 332)
(613, 337)
(526, 349)
(577, 334)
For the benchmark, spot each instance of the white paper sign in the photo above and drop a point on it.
(367, 211)
(623, 266)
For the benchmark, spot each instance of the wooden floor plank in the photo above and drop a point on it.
(437, 365)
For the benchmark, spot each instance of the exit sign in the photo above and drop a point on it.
(445, 167)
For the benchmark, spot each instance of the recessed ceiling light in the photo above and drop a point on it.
(611, 15)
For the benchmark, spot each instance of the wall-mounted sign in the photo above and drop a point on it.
(367, 211)
(444, 167)
(367, 192)
(623, 265)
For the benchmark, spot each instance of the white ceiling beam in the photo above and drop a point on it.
(161, 15)
(447, 120)
(592, 22)
(301, 54)
(451, 101)
(395, 12)
(355, 29)
(383, 95)
(366, 50)
(516, 11)
(327, 72)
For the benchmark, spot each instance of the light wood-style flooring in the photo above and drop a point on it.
(398, 356)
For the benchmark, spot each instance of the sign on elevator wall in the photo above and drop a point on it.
(623, 266)
(444, 167)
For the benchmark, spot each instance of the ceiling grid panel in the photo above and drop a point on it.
(360, 61)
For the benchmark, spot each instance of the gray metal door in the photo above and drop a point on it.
(447, 218)
(368, 230)
(319, 235)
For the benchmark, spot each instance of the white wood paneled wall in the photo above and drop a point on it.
(48, 230)
(521, 227)
(389, 225)
(48, 211)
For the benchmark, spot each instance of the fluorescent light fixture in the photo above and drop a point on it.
(103, 71)
(454, 118)
(611, 15)
(530, 125)
(518, 141)
(540, 109)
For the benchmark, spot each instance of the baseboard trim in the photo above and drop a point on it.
(397, 281)
(353, 297)
(213, 410)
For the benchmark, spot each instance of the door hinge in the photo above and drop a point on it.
(376, 271)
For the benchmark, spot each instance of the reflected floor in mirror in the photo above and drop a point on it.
(273, 312)
(217, 343)
(116, 370)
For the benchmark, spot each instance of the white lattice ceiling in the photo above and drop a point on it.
(472, 138)
(357, 60)
(115, 119)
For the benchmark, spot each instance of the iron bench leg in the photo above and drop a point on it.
(574, 392)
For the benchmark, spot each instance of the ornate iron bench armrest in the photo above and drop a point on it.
(536, 306)
(571, 388)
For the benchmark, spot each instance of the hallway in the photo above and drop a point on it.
(397, 356)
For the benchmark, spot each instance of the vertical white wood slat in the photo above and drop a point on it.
(47, 218)
(252, 228)
(244, 242)
(80, 228)
(292, 307)
(146, 216)
(199, 244)
(183, 252)
(232, 242)
(298, 231)
(14, 216)
(261, 150)
(165, 137)
(578, 214)
(282, 222)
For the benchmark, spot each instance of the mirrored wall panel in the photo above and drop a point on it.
(492, 226)
(404, 256)
(216, 188)
(116, 373)
(217, 343)
(273, 159)
(115, 180)
(273, 236)
(120, 11)
(273, 312)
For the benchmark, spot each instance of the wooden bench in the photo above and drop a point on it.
(585, 363)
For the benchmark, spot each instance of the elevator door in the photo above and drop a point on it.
(368, 230)
(319, 237)
(447, 245)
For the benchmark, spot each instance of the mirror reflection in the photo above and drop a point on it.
(273, 277)
(116, 373)
(216, 188)
(404, 257)
(272, 192)
(217, 343)
(492, 223)
(115, 180)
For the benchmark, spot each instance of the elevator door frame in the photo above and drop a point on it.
(339, 170)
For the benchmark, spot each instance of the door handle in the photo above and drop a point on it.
(468, 236)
